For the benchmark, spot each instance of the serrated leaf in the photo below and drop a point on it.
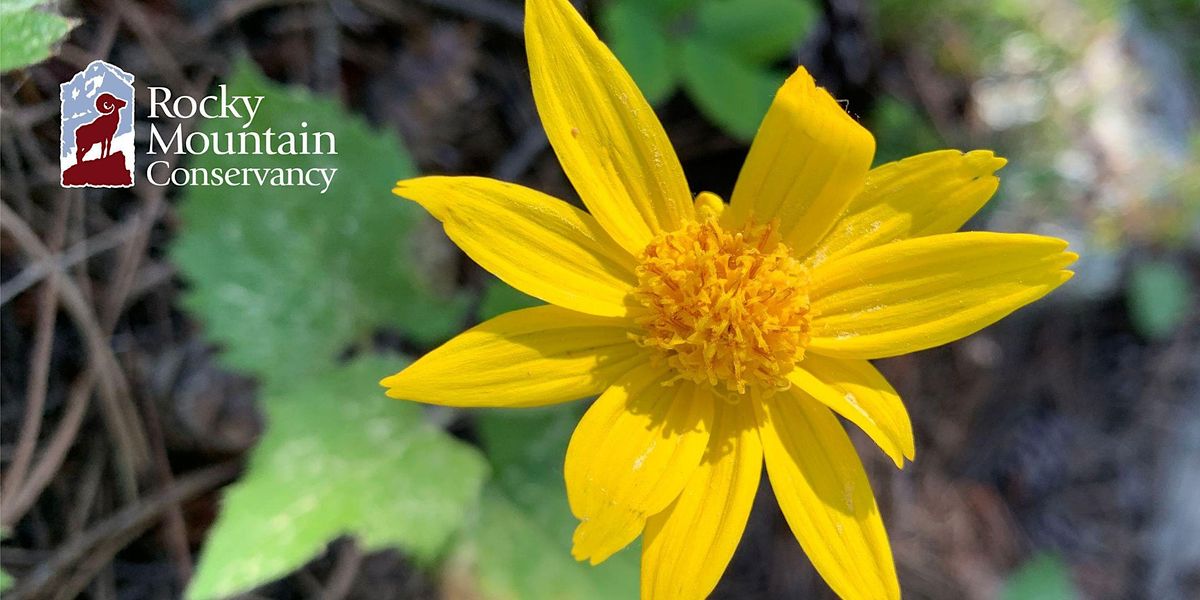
(755, 31)
(1159, 296)
(287, 278)
(732, 93)
(338, 458)
(637, 36)
(499, 298)
(527, 503)
(1043, 577)
(28, 35)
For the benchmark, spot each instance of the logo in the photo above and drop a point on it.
(97, 128)
(97, 140)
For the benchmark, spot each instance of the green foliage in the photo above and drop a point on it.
(727, 89)
(901, 131)
(1159, 295)
(722, 51)
(634, 31)
(526, 503)
(1043, 577)
(979, 28)
(27, 34)
(338, 458)
(287, 278)
(6, 580)
(757, 31)
(499, 298)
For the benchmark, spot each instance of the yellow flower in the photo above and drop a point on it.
(719, 337)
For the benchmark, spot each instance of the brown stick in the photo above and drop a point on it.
(175, 526)
(69, 569)
(121, 417)
(17, 503)
(345, 570)
(134, 17)
(79, 252)
(39, 364)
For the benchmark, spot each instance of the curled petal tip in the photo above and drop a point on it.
(577, 551)
(985, 161)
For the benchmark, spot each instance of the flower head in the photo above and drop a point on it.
(719, 337)
(724, 308)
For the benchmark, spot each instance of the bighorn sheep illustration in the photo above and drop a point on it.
(101, 130)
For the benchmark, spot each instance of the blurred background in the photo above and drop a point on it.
(188, 374)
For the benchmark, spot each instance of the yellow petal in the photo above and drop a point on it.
(631, 455)
(535, 243)
(858, 392)
(807, 162)
(528, 357)
(925, 292)
(688, 545)
(826, 498)
(605, 134)
(927, 194)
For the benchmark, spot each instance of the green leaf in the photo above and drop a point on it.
(667, 9)
(6, 580)
(12, 6)
(731, 92)
(636, 35)
(526, 504)
(338, 458)
(1160, 295)
(27, 34)
(756, 31)
(1043, 577)
(901, 131)
(287, 278)
(499, 298)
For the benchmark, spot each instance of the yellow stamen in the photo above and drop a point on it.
(724, 307)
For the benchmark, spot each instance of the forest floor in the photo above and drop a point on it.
(1059, 430)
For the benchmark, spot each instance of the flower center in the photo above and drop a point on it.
(724, 307)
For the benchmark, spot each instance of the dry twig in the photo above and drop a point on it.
(39, 367)
(70, 568)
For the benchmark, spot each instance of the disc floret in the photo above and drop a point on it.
(726, 308)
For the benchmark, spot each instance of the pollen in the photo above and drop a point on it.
(726, 308)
